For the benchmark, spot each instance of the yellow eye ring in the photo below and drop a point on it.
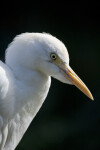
(53, 56)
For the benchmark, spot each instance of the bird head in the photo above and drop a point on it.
(46, 54)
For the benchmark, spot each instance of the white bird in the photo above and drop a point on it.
(25, 77)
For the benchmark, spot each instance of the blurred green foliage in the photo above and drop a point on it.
(67, 119)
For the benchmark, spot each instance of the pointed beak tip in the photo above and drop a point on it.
(92, 98)
(88, 93)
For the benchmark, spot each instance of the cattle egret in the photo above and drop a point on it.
(25, 77)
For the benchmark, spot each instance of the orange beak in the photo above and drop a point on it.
(74, 79)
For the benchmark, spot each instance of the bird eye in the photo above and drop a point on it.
(53, 56)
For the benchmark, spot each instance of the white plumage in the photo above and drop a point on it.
(25, 78)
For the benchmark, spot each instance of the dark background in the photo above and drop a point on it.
(68, 119)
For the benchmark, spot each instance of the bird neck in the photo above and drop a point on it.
(31, 89)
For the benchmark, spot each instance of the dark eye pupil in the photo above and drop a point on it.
(53, 56)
